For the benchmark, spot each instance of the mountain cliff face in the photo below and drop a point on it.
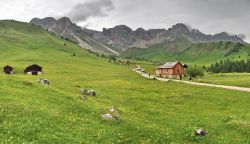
(121, 37)
(68, 30)
(124, 37)
(63, 26)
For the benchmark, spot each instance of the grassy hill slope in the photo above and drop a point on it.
(202, 53)
(149, 111)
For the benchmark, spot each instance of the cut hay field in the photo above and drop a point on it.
(149, 111)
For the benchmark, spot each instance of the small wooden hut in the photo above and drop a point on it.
(33, 70)
(8, 69)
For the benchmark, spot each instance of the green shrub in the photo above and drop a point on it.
(195, 71)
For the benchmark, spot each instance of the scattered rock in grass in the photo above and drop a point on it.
(92, 93)
(83, 97)
(112, 110)
(43, 81)
(109, 116)
(39, 80)
(83, 91)
(200, 132)
(87, 92)
(112, 114)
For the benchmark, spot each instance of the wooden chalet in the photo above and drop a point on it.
(172, 69)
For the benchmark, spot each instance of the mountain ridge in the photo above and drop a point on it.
(65, 28)
(117, 35)
(121, 37)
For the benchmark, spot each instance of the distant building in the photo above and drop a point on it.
(33, 70)
(171, 70)
(8, 69)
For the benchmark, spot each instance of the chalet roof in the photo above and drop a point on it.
(169, 64)
(8, 67)
(34, 65)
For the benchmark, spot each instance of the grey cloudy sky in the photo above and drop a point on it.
(209, 16)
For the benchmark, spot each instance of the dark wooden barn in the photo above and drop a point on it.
(8, 69)
(33, 70)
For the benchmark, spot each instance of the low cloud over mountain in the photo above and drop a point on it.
(95, 8)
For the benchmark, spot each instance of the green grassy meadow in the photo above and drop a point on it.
(149, 111)
(231, 79)
(200, 54)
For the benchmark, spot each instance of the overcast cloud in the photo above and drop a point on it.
(209, 16)
(96, 8)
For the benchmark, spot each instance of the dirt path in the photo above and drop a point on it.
(195, 83)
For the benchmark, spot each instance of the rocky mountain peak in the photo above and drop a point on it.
(35, 19)
(65, 20)
(45, 23)
(177, 31)
(140, 30)
(180, 26)
(222, 34)
(122, 28)
(49, 19)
